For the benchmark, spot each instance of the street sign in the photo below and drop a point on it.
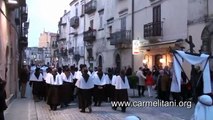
(135, 47)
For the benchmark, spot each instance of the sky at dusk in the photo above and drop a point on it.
(44, 15)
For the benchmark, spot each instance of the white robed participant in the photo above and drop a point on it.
(67, 88)
(110, 86)
(204, 108)
(32, 69)
(100, 81)
(78, 74)
(36, 81)
(121, 87)
(85, 85)
(44, 70)
(47, 81)
(55, 83)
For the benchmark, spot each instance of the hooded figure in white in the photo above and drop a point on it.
(121, 87)
(203, 108)
(36, 81)
(99, 80)
(85, 85)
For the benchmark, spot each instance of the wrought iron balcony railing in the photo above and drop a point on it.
(153, 29)
(90, 7)
(74, 22)
(54, 45)
(71, 50)
(90, 36)
(121, 37)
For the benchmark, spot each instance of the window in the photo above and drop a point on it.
(156, 21)
(101, 21)
(91, 24)
(76, 11)
(82, 9)
(156, 14)
(101, 12)
(82, 50)
(110, 29)
(123, 23)
(89, 53)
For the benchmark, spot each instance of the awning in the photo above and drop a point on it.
(162, 44)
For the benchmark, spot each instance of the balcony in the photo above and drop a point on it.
(24, 13)
(74, 22)
(90, 7)
(153, 30)
(23, 42)
(90, 36)
(121, 37)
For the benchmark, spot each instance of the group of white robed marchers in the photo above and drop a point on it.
(60, 85)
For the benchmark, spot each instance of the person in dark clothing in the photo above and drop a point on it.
(184, 91)
(24, 78)
(3, 105)
(145, 70)
(129, 71)
(197, 83)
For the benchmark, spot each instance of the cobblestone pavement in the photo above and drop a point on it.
(105, 112)
(27, 109)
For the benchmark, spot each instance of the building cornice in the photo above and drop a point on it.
(73, 2)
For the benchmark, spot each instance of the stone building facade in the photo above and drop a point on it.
(13, 40)
(108, 28)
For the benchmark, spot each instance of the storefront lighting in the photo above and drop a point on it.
(162, 60)
(12, 1)
(146, 59)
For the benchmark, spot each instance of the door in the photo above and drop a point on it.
(157, 61)
(156, 20)
(118, 62)
(100, 61)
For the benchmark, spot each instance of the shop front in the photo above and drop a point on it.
(159, 54)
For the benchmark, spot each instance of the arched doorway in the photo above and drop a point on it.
(207, 41)
(157, 61)
(207, 37)
(118, 61)
(100, 61)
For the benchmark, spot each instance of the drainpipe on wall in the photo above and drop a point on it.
(133, 2)
(207, 7)
(84, 30)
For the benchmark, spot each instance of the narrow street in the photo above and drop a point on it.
(27, 109)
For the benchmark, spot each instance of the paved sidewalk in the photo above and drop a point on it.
(26, 109)
(99, 113)
(22, 108)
